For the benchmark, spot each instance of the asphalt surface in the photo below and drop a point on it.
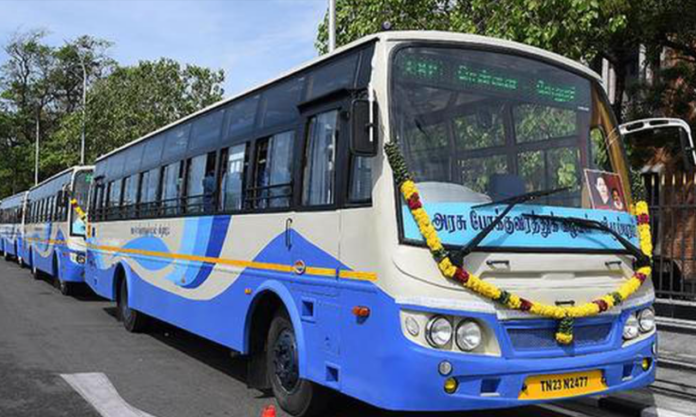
(166, 372)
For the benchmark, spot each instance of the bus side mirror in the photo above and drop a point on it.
(363, 141)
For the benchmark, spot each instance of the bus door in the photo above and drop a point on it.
(316, 226)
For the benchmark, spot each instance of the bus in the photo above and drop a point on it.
(54, 229)
(273, 223)
(11, 217)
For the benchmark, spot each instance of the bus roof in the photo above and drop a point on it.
(390, 36)
(51, 179)
(13, 200)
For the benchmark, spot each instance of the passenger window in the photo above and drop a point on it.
(200, 186)
(232, 182)
(206, 131)
(273, 176)
(360, 180)
(319, 176)
(170, 187)
(148, 192)
(242, 116)
(114, 198)
(280, 103)
(130, 194)
(332, 77)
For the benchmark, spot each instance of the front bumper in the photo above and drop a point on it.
(496, 382)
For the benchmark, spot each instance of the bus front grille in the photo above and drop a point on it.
(545, 337)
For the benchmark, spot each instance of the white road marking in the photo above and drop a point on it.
(97, 390)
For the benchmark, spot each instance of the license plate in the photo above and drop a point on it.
(544, 387)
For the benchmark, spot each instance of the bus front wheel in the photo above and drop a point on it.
(134, 321)
(299, 397)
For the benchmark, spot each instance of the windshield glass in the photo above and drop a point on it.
(479, 126)
(80, 192)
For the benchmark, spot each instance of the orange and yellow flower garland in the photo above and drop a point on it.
(565, 315)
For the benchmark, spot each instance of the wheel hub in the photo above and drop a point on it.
(285, 361)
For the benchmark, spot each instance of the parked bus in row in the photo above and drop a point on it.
(11, 231)
(54, 230)
(273, 223)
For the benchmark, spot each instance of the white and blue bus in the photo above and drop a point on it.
(54, 230)
(11, 230)
(270, 223)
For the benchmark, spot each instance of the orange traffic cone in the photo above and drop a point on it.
(269, 411)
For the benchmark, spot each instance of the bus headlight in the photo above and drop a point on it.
(631, 328)
(646, 320)
(468, 336)
(438, 332)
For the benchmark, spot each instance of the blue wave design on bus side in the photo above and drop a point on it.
(217, 232)
(149, 243)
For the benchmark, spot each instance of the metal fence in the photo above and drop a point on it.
(672, 201)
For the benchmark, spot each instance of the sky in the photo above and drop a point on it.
(252, 40)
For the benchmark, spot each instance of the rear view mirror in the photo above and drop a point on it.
(648, 126)
(363, 141)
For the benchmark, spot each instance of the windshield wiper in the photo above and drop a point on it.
(641, 258)
(458, 256)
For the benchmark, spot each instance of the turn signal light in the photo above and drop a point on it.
(359, 311)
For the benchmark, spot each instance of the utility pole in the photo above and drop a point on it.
(84, 108)
(332, 25)
(36, 157)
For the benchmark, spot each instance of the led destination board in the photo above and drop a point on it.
(451, 71)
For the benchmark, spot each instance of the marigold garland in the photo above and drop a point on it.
(565, 315)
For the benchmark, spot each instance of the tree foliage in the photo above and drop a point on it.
(586, 30)
(42, 85)
(131, 102)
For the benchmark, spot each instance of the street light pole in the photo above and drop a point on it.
(84, 109)
(332, 25)
(36, 151)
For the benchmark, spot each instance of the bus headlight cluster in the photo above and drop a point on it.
(642, 321)
(438, 332)
(468, 336)
(646, 320)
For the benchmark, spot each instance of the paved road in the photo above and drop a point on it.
(166, 373)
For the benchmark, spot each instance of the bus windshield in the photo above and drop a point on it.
(479, 126)
(80, 192)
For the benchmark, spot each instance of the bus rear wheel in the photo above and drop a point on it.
(134, 321)
(36, 272)
(299, 397)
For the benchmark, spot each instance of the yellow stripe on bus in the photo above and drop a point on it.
(328, 272)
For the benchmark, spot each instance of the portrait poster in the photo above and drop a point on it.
(606, 190)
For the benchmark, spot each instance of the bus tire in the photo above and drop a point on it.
(35, 272)
(64, 287)
(133, 321)
(299, 397)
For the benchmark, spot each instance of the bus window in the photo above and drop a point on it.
(170, 187)
(130, 194)
(233, 178)
(273, 176)
(114, 199)
(148, 192)
(80, 192)
(360, 180)
(318, 185)
(200, 185)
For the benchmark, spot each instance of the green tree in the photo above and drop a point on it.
(579, 29)
(131, 102)
(40, 85)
